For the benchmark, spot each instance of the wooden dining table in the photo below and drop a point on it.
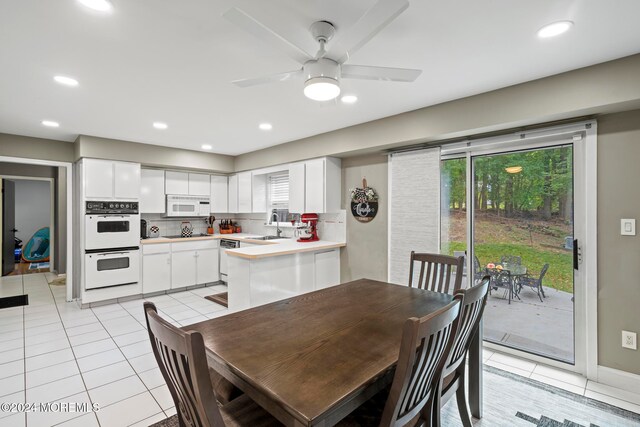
(312, 359)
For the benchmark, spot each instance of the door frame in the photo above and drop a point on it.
(583, 137)
(69, 205)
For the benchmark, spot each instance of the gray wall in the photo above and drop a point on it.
(33, 207)
(618, 256)
(366, 252)
(151, 155)
(35, 148)
(604, 88)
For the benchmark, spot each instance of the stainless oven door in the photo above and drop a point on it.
(111, 231)
(105, 269)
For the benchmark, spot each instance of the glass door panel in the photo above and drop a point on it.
(523, 231)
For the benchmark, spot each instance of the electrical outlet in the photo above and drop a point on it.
(629, 340)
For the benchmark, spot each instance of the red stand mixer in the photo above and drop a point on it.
(309, 233)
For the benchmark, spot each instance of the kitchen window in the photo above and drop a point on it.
(278, 184)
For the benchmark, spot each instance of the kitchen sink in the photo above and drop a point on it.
(267, 238)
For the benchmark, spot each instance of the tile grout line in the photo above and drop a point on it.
(24, 352)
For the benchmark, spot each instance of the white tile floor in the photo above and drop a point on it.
(53, 351)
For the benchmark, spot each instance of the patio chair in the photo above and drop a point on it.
(502, 279)
(511, 259)
(535, 283)
(478, 271)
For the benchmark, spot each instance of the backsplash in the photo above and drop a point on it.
(331, 227)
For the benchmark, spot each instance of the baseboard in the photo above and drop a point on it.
(619, 379)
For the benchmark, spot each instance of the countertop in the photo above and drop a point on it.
(266, 248)
(283, 247)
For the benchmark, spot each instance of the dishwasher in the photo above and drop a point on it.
(224, 245)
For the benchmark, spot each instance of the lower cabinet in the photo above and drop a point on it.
(179, 265)
(327, 268)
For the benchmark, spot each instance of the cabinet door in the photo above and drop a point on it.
(244, 192)
(98, 178)
(152, 199)
(233, 194)
(126, 180)
(207, 270)
(296, 188)
(199, 184)
(327, 268)
(314, 186)
(183, 269)
(176, 182)
(156, 273)
(259, 193)
(219, 194)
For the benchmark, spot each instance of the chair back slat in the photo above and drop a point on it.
(436, 271)
(182, 360)
(424, 349)
(472, 303)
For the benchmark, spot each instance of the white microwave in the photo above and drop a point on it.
(188, 206)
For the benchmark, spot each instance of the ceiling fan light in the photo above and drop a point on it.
(321, 88)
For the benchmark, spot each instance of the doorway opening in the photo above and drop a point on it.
(27, 218)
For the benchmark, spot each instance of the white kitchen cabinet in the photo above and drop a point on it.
(183, 268)
(259, 193)
(296, 187)
(152, 195)
(244, 192)
(176, 182)
(219, 194)
(315, 186)
(199, 184)
(156, 268)
(126, 180)
(208, 270)
(98, 179)
(327, 268)
(233, 194)
(110, 180)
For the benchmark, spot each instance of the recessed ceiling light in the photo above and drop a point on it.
(160, 125)
(64, 80)
(349, 99)
(265, 126)
(554, 29)
(99, 5)
(50, 123)
(206, 147)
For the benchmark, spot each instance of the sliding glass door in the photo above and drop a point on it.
(523, 237)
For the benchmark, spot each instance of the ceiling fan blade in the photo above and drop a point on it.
(370, 24)
(280, 77)
(266, 34)
(366, 72)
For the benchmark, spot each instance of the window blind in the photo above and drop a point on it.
(279, 190)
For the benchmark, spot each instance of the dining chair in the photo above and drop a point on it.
(183, 363)
(435, 271)
(414, 396)
(472, 303)
(535, 283)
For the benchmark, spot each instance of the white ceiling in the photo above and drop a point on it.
(173, 61)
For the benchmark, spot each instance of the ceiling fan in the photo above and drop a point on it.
(323, 71)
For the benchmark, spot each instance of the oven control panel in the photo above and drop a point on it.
(111, 207)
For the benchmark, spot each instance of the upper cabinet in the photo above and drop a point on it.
(233, 194)
(199, 184)
(244, 192)
(219, 194)
(106, 179)
(191, 184)
(315, 186)
(176, 182)
(259, 192)
(152, 198)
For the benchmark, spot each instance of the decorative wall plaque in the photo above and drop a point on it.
(364, 202)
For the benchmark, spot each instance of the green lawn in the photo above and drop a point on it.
(560, 273)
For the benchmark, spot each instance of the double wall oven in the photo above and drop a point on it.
(112, 243)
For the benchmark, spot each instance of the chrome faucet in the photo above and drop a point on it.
(278, 231)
